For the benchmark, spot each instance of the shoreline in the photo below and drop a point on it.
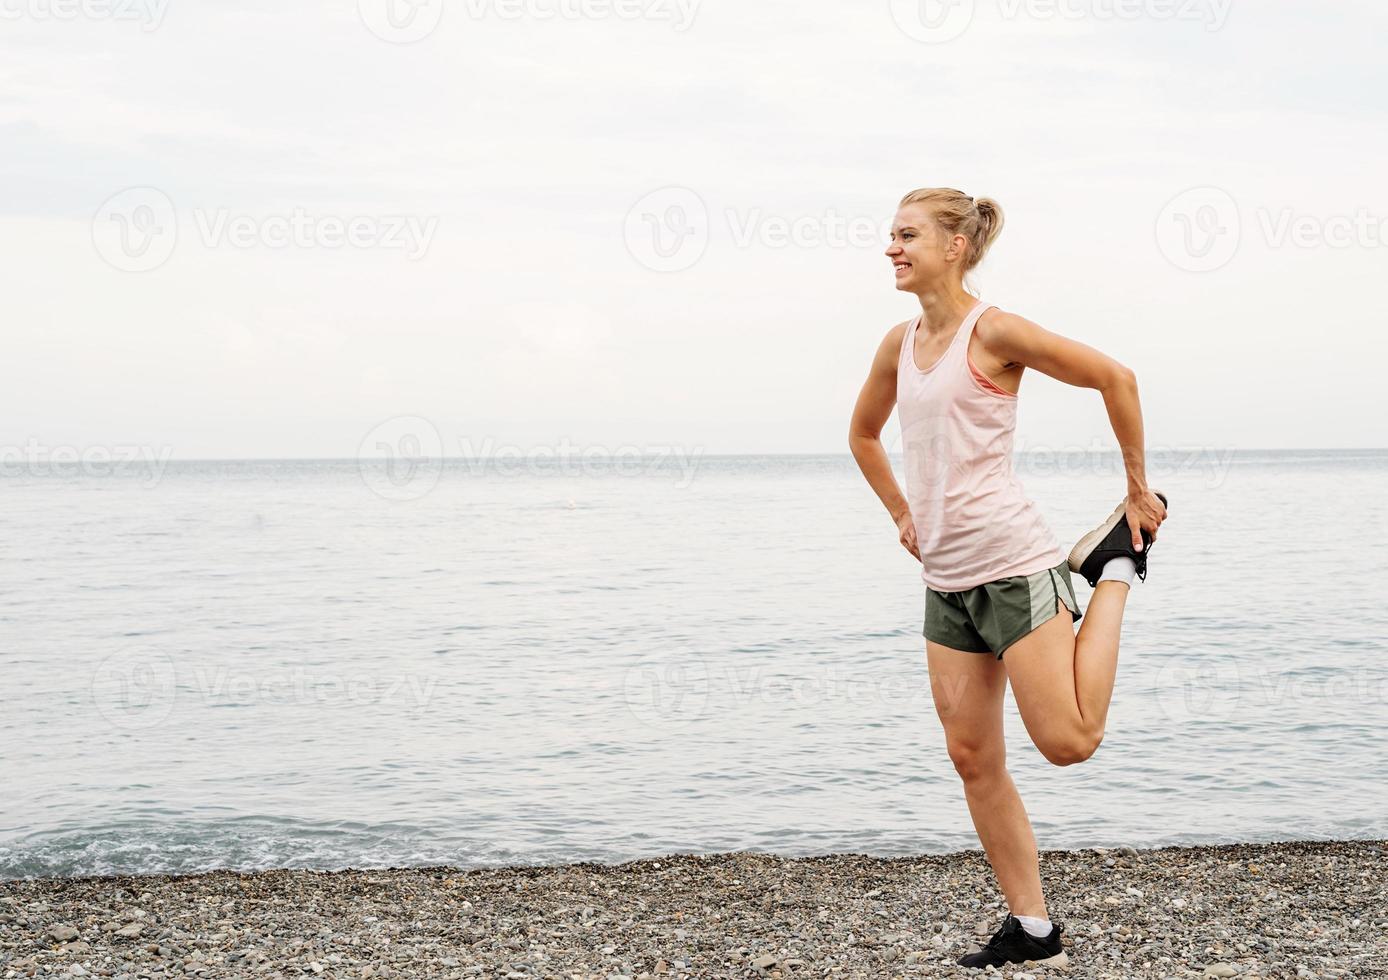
(1282, 909)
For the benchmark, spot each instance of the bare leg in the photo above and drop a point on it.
(968, 691)
(1063, 683)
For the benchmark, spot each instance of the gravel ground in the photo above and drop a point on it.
(1293, 909)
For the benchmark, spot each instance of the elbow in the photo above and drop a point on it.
(857, 440)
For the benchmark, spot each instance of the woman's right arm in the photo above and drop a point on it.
(870, 414)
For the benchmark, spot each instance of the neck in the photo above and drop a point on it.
(944, 307)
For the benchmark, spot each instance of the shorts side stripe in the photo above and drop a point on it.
(1042, 598)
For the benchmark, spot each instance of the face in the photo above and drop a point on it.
(920, 251)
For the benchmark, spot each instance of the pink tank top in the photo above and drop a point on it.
(974, 523)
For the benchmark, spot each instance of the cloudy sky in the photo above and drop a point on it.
(234, 229)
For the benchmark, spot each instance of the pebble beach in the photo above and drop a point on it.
(1291, 909)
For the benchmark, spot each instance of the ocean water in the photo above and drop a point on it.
(328, 665)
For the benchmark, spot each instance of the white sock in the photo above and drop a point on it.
(1040, 928)
(1118, 570)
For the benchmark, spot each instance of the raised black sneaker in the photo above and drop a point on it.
(1013, 944)
(1111, 539)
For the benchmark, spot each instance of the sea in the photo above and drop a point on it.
(536, 659)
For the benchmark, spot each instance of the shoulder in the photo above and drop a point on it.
(889, 350)
(1006, 335)
(998, 325)
(895, 337)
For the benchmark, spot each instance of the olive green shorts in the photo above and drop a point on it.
(991, 617)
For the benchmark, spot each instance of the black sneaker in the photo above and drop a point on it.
(1013, 944)
(1111, 539)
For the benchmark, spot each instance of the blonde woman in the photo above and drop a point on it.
(997, 581)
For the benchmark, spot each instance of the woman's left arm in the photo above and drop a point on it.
(1016, 340)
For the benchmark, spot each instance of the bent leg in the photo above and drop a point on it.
(1062, 682)
(968, 691)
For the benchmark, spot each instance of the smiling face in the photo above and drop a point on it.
(921, 253)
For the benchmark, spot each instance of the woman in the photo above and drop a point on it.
(996, 579)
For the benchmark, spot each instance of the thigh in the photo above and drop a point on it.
(968, 691)
(1041, 669)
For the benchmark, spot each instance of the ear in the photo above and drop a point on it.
(957, 245)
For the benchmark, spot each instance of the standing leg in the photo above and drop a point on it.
(968, 691)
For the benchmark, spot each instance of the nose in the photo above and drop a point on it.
(893, 248)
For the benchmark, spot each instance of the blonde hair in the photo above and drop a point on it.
(979, 221)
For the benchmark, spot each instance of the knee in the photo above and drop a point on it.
(975, 762)
(1076, 749)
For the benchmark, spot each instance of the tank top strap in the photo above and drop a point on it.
(908, 342)
(966, 328)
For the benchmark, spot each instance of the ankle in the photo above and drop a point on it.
(1120, 569)
(1038, 926)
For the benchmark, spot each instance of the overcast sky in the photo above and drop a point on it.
(260, 229)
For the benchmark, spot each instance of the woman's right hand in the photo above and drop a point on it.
(906, 533)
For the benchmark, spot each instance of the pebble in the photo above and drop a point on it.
(742, 914)
(62, 932)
